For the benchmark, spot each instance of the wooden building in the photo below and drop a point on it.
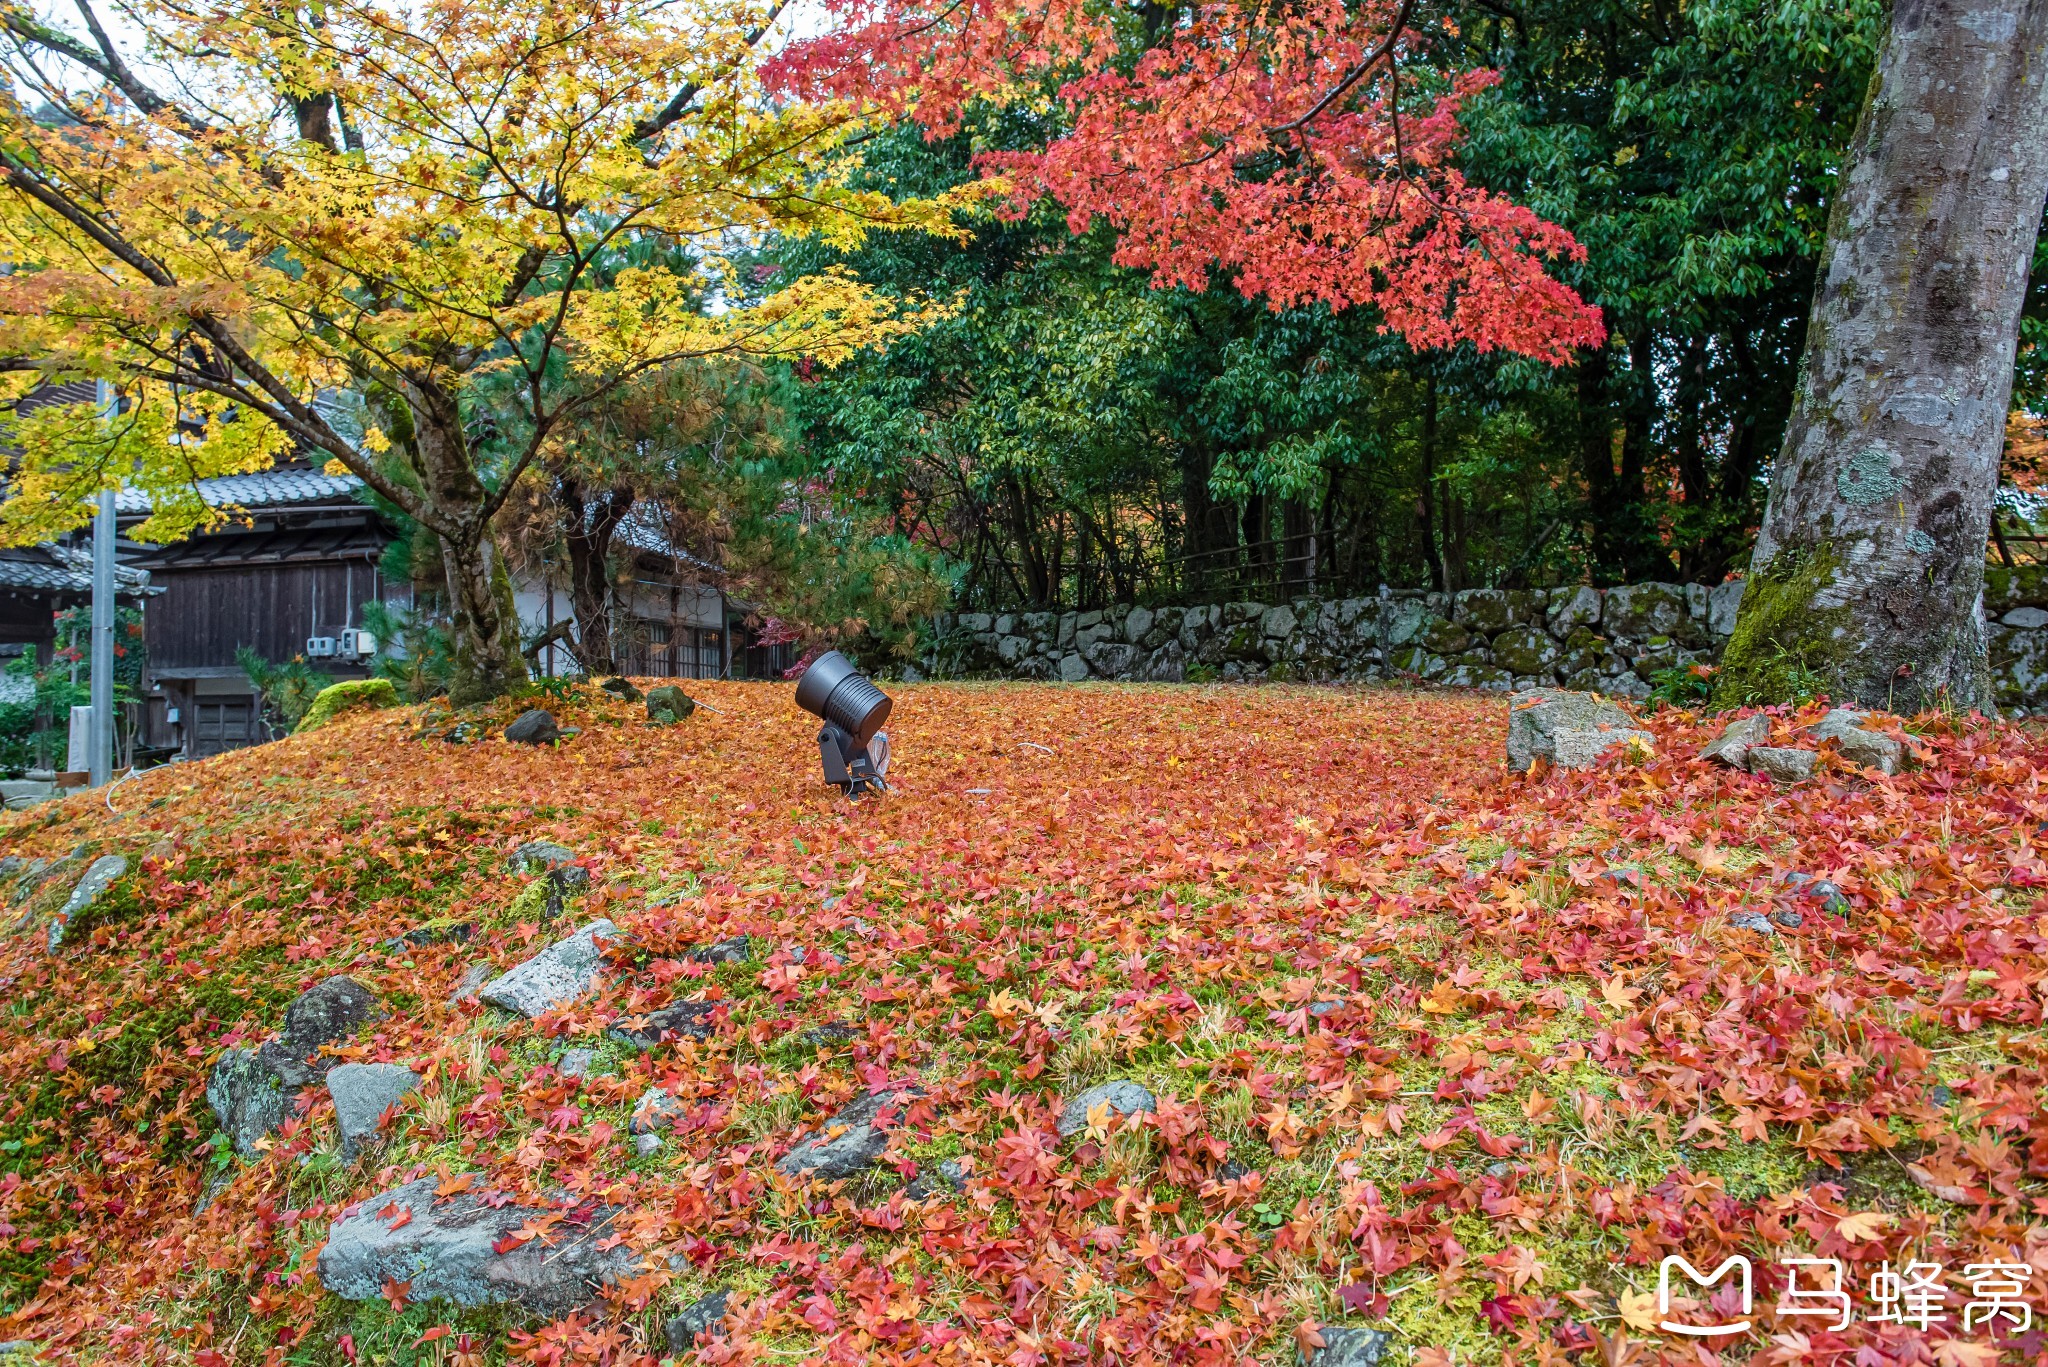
(301, 558)
(297, 564)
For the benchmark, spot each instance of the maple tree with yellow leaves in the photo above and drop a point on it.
(394, 201)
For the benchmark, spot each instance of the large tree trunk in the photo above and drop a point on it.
(483, 623)
(1868, 572)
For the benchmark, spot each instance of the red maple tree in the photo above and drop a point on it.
(1281, 145)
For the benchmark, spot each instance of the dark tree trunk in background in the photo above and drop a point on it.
(590, 521)
(1209, 535)
(1297, 536)
(1258, 539)
(1625, 540)
(1038, 578)
(1596, 458)
(1869, 568)
(1432, 552)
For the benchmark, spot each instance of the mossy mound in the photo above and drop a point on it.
(344, 697)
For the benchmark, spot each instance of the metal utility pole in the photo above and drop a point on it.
(100, 754)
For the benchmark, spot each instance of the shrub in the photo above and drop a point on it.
(347, 696)
(288, 689)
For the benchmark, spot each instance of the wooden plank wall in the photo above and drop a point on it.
(203, 615)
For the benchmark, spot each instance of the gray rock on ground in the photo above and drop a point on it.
(1343, 1347)
(669, 704)
(576, 1062)
(1576, 748)
(945, 1175)
(562, 973)
(445, 1252)
(681, 1020)
(536, 726)
(545, 856)
(20, 794)
(1782, 763)
(701, 1316)
(1733, 745)
(647, 1145)
(1123, 1097)
(1567, 729)
(250, 1089)
(538, 856)
(471, 982)
(1864, 748)
(850, 1141)
(98, 877)
(1806, 885)
(362, 1092)
(735, 950)
(654, 1113)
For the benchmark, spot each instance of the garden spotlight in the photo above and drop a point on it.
(852, 745)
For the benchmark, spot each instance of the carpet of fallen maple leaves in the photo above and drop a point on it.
(1540, 1057)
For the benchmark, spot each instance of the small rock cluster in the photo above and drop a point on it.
(455, 1240)
(1612, 641)
(1743, 745)
(251, 1090)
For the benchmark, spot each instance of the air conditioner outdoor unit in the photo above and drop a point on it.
(319, 647)
(357, 642)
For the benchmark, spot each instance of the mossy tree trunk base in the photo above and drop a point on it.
(1868, 574)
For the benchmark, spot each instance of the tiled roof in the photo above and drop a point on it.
(60, 569)
(264, 489)
(638, 530)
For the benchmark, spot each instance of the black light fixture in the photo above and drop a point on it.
(851, 745)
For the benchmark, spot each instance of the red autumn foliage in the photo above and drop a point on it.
(1305, 151)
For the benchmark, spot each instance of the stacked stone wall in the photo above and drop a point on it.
(1611, 640)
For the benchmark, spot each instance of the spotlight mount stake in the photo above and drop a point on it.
(853, 710)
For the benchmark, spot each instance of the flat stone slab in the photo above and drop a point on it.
(851, 1140)
(683, 1020)
(362, 1092)
(446, 1250)
(1123, 1097)
(564, 972)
